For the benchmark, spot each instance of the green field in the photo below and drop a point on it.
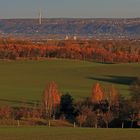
(45, 133)
(22, 81)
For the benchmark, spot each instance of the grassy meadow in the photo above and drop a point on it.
(22, 81)
(45, 133)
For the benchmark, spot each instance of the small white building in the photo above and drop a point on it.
(75, 38)
(67, 37)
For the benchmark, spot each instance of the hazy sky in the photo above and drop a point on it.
(69, 8)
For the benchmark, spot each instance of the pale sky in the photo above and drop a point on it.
(70, 8)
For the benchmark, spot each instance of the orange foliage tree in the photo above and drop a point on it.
(51, 99)
(113, 96)
(114, 103)
(5, 112)
(92, 50)
(97, 94)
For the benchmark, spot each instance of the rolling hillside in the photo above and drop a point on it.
(96, 28)
(25, 80)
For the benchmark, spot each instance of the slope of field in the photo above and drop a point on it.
(22, 81)
(44, 133)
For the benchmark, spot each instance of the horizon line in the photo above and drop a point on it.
(72, 18)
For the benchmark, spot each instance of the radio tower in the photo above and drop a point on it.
(40, 17)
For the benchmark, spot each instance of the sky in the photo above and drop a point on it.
(70, 8)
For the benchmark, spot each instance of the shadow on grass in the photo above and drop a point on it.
(21, 102)
(124, 80)
(105, 62)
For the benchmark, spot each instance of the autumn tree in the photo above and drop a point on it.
(51, 99)
(113, 99)
(81, 119)
(83, 107)
(85, 113)
(97, 94)
(100, 51)
(113, 105)
(113, 95)
(108, 117)
(135, 99)
(135, 91)
(5, 112)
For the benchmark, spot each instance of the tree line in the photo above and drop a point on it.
(101, 110)
(106, 51)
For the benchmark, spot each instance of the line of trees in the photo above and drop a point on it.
(100, 110)
(92, 50)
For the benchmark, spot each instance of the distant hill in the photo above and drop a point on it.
(98, 28)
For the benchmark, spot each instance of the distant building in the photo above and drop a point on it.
(75, 38)
(67, 37)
